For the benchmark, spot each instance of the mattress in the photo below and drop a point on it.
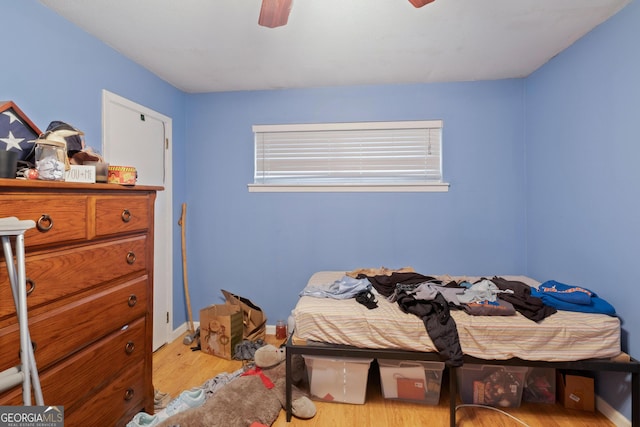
(563, 336)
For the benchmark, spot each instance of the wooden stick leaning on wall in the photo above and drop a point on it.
(188, 339)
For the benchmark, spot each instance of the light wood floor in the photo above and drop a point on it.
(177, 368)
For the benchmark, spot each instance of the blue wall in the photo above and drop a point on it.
(266, 245)
(582, 152)
(55, 71)
(542, 170)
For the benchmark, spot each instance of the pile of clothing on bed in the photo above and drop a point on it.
(432, 297)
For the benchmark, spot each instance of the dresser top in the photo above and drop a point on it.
(8, 184)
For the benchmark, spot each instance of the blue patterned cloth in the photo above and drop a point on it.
(346, 287)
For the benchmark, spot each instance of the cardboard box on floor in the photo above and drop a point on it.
(575, 391)
(220, 329)
(253, 318)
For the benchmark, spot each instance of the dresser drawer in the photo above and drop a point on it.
(55, 275)
(66, 383)
(58, 219)
(115, 404)
(59, 332)
(121, 215)
(106, 359)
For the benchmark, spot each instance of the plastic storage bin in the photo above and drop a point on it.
(412, 380)
(492, 385)
(338, 379)
(540, 386)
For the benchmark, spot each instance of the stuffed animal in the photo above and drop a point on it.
(254, 398)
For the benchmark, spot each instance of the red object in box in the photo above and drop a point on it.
(411, 388)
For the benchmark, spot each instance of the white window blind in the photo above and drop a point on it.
(349, 154)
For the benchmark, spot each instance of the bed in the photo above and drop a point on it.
(564, 340)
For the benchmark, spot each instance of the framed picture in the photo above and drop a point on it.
(17, 132)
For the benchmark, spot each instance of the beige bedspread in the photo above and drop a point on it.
(563, 336)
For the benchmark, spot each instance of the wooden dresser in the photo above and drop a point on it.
(89, 265)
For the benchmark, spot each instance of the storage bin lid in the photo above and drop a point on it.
(337, 359)
(426, 364)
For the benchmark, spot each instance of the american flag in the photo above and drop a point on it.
(17, 133)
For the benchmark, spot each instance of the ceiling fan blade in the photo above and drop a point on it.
(420, 3)
(274, 13)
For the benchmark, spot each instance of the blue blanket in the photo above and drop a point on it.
(572, 298)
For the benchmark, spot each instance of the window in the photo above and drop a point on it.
(369, 156)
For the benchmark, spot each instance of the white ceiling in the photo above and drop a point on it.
(217, 45)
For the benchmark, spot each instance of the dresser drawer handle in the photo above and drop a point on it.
(132, 300)
(128, 394)
(126, 215)
(129, 347)
(31, 286)
(131, 257)
(45, 223)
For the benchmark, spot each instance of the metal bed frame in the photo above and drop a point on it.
(321, 349)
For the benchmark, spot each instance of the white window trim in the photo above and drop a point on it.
(306, 127)
(365, 188)
(390, 187)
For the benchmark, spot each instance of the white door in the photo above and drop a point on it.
(133, 135)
